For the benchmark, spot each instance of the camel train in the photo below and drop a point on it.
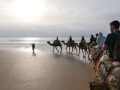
(107, 72)
(71, 45)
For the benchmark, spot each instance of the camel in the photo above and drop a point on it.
(70, 44)
(55, 44)
(113, 77)
(95, 55)
(92, 48)
(84, 48)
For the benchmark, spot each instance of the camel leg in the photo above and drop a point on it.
(76, 50)
(57, 50)
(66, 49)
(72, 49)
(53, 49)
(88, 50)
(83, 53)
(79, 52)
(61, 49)
(88, 54)
(69, 50)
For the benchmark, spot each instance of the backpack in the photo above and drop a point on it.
(117, 47)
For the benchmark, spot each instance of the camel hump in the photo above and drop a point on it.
(57, 42)
(71, 42)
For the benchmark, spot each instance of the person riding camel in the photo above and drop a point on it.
(98, 48)
(112, 46)
(92, 40)
(112, 42)
(83, 40)
(70, 39)
(96, 37)
(57, 40)
(100, 41)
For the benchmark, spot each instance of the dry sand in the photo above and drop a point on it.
(20, 70)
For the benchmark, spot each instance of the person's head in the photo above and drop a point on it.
(96, 34)
(114, 26)
(57, 37)
(82, 37)
(100, 34)
(70, 37)
(92, 36)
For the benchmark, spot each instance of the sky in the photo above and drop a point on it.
(39, 18)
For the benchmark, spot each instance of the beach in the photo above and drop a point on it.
(20, 69)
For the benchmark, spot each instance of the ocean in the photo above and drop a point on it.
(40, 42)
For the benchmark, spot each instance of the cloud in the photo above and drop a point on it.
(74, 16)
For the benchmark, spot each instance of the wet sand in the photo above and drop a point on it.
(21, 70)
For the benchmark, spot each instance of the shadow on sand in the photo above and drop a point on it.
(34, 54)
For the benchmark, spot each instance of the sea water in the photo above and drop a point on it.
(40, 42)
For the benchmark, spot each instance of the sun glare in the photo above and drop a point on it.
(28, 10)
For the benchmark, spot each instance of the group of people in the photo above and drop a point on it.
(110, 43)
(109, 62)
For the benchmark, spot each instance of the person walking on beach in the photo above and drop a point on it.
(33, 47)
(112, 42)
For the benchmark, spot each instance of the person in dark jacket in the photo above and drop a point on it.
(33, 47)
(112, 38)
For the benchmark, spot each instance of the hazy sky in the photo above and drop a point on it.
(56, 17)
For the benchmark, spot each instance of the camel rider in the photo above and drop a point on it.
(100, 41)
(57, 40)
(98, 48)
(83, 40)
(112, 42)
(70, 39)
(96, 38)
(92, 39)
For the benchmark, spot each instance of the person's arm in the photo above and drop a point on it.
(105, 47)
(106, 43)
(98, 65)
